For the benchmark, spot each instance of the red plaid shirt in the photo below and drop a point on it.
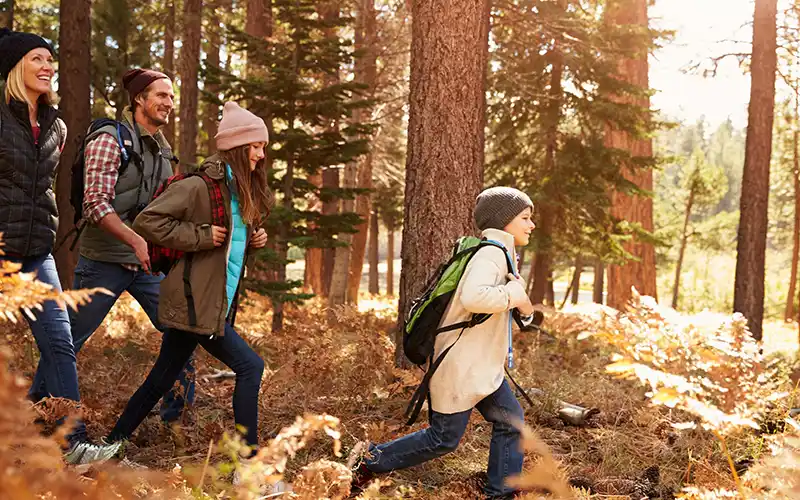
(102, 164)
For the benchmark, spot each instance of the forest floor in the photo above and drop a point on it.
(344, 368)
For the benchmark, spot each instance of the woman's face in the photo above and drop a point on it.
(39, 71)
(256, 154)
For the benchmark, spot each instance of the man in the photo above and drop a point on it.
(112, 255)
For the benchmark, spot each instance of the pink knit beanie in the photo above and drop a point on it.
(239, 127)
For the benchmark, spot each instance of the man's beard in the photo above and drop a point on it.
(156, 120)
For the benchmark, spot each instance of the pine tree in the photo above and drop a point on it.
(287, 87)
(748, 297)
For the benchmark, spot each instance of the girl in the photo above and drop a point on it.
(181, 218)
(31, 139)
(471, 375)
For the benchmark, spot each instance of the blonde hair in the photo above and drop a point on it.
(15, 87)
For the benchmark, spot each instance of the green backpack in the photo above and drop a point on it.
(423, 322)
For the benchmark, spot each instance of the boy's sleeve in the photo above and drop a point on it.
(485, 289)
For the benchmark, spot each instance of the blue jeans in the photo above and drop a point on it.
(177, 347)
(57, 373)
(145, 289)
(501, 408)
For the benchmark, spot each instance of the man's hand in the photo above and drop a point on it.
(140, 249)
(218, 234)
(259, 239)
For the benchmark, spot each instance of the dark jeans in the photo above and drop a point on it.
(57, 372)
(145, 289)
(177, 347)
(501, 408)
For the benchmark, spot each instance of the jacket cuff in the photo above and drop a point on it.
(517, 295)
(205, 237)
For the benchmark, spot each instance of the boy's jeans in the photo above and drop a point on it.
(501, 408)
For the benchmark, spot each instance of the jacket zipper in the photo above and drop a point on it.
(33, 199)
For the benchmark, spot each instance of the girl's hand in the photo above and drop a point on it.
(218, 233)
(259, 239)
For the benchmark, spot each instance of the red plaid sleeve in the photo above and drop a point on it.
(101, 172)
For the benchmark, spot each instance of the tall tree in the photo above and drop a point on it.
(366, 72)
(211, 85)
(168, 61)
(791, 297)
(449, 50)
(640, 271)
(74, 85)
(748, 291)
(189, 69)
(7, 14)
(374, 261)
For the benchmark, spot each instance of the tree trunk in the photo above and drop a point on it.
(551, 292)
(189, 68)
(169, 63)
(748, 292)
(121, 100)
(543, 267)
(576, 279)
(212, 67)
(7, 14)
(640, 273)
(312, 275)
(366, 72)
(390, 260)
(374, 261)
(599, 285)
(789, 313)
(449, 50)
(288, 199)
(330, 180)
(258, 24)
(684, 241)
(74, 88)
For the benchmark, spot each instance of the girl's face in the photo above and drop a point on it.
(39, 71)
(521, 227)
(256, 153)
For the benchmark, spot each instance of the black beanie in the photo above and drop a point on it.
(13, 47)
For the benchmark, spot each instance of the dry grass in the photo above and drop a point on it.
(344, 368)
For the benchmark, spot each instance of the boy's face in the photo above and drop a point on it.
(521, 227)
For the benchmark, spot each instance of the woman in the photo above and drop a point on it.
(181, 218)
(31, 139)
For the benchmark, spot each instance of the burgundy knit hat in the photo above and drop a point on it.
(136, 80)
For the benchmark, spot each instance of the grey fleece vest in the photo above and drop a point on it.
(28, 213)
(135, 187)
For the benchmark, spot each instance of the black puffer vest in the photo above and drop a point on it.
(28, 213)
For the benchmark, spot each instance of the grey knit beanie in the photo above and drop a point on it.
(497, 206)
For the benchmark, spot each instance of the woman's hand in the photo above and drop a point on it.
(259, 239)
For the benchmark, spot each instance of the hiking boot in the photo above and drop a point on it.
(362, 476)
(84, 452)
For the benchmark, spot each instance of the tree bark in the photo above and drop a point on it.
(390, 260)
(684, 241)
(74, 88)
(543, 266)
(640, 273)
(365, 72)
(576, 280)
(212, 65)
(312, 276)
(374, 261)
(599, 285)
(258, 24)
(7, 14)
(169, 63)
(748, 292)
(189, 68)
(449, 50)
(789, 313)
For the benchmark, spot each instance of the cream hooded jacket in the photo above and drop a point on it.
(473, 369)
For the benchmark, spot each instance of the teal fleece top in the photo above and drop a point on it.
(237, 247)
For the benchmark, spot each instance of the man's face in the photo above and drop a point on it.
(157, 102)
